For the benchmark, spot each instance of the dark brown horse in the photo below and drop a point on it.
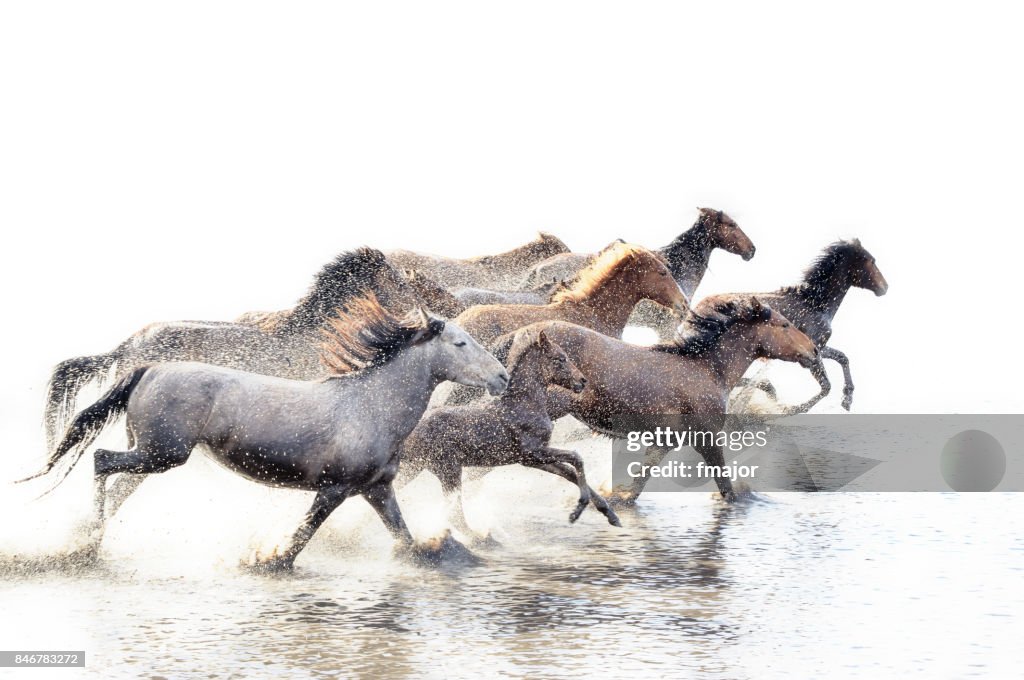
(602, 296)
(499, 272)
(337, 437)
(687, 257)
(513, 429)
(812, 304)
(692, 375)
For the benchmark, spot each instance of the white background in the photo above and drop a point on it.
(197, 160)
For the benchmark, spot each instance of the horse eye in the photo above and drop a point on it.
(460, 343)
(785, 325)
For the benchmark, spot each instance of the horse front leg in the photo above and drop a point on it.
(451, 485)
(327, 501)
(713, 457)
(381, 498)
(841, 359)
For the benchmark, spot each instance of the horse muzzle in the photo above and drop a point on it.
(497, 384)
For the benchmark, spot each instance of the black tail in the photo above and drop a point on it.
(88, 424)
(66, 381)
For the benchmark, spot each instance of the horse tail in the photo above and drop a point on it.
(66, 381)
(88, 424)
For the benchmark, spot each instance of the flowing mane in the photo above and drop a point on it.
(817, 275)
(364, 334)
(348, 275)
(605, 266)
(705, 325)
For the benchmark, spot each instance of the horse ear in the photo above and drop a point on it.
(542, 338)
(424, 317)
(758, 308)
(435, 327)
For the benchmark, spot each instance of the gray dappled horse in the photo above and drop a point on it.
(338, 436)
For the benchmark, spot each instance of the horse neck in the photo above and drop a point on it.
(688, 256)
(526, 381)
(824, 293)
(607, 308)
(408, 380)
(731, 357)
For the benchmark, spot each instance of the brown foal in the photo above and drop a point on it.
(513, 429)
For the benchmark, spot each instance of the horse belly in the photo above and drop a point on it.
(270, 467)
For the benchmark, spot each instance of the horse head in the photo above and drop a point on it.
(460, 358)
(724, 233)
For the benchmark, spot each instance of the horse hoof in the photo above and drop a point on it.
(441, 550)
(578, 510)
(621, 499)
(613, 519)
(272, 564)
(487, 541)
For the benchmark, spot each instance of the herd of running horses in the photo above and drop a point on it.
(333, 395)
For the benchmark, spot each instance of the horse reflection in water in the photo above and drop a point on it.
(338, 436)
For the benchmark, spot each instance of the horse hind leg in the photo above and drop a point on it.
(327, 501)
(123, 487)
(568, 473)
(572, 460)
(841, 359)
(136, 462)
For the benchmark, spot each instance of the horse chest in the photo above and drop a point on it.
(531, 433)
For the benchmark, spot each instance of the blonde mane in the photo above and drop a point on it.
(605, 267)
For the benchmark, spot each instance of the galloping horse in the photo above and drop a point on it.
(283, 344)
(692, 375)
(687, 255)
(601, 298)
(338, 437)
(499, 272)
(515, 428)
(812, 304)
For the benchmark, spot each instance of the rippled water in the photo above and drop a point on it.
(785, 585)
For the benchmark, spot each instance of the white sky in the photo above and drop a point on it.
(188, 160)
